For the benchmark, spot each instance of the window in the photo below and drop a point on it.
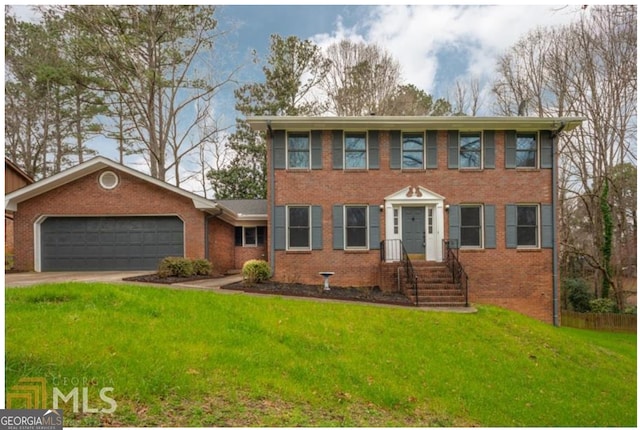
(471, 226)
(250, 236)
(470, 150)
(298, 221)
(395, 221)
(527, 226)
(412, 150)
(356, 226)
(355, 151)
(298, 150)
(526, 149)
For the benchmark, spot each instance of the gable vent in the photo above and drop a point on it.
(108, 180)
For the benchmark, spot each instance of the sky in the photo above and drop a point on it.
(434, 44)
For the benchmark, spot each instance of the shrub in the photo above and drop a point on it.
(602, 306)
(578, 294)
(175, 266)
(201, 267)
(255, 271)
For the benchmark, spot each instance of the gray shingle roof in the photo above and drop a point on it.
(245, 207)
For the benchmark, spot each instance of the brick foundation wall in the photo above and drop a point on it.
(517, 279)
(85, 197)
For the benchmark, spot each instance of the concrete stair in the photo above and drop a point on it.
(435, 286)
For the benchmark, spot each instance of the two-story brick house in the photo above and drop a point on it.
(359, 195)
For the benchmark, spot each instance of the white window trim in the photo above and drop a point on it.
(344, 227)
(481, 167)
(424, 151)
(290, 248)
(244, 238)
(309, 150)
(537, 161)
(480, 206)
(366, 149)
(538, 227)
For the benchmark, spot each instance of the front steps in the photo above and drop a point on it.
(435, 285)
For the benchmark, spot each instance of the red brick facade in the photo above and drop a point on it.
(85, 197)
(14, 179)
(205, 234)
(519, 279)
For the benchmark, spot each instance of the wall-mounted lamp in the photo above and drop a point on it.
(446, 208)
(381, 208)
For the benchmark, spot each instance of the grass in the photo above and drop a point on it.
(190, 358)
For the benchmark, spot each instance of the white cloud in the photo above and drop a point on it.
(421, 36)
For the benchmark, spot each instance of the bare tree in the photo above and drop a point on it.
(151, 60)
(466, 97)
(585, 69)
(362, 79)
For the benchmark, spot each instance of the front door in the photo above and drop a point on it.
(413, 231)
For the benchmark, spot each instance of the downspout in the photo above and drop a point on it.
(555, 139)
(271, 201)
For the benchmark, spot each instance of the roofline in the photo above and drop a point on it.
(19, 170)
(236, 218)
(521, 123)
(11, 200)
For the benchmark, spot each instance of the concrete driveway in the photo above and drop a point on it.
(31, 278)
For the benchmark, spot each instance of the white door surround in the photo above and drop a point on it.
(434, 220)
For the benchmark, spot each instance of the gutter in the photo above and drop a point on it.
(271, 205)
(554, 201)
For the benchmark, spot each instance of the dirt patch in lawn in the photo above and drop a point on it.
(361, 294)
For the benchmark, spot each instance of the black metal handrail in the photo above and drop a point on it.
(398, 246)
(457, 271)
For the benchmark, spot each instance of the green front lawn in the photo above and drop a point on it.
(193, 358)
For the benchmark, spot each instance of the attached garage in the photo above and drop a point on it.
(109, 243)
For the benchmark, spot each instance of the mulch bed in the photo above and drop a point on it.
(155, 279)
(361, 294)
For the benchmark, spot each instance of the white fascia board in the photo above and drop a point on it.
(521, 123)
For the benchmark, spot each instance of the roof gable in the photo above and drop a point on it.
(95, 164)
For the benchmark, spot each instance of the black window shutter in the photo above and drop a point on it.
(338, 231)
(489, 142)
(280, 228)
(452, 149)
(395, 150)
(238, 234)
(374, 149)
(262, 235)
(316, 227)
(432, 149)
(316, 149)
(336, 148)
(279, 149)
